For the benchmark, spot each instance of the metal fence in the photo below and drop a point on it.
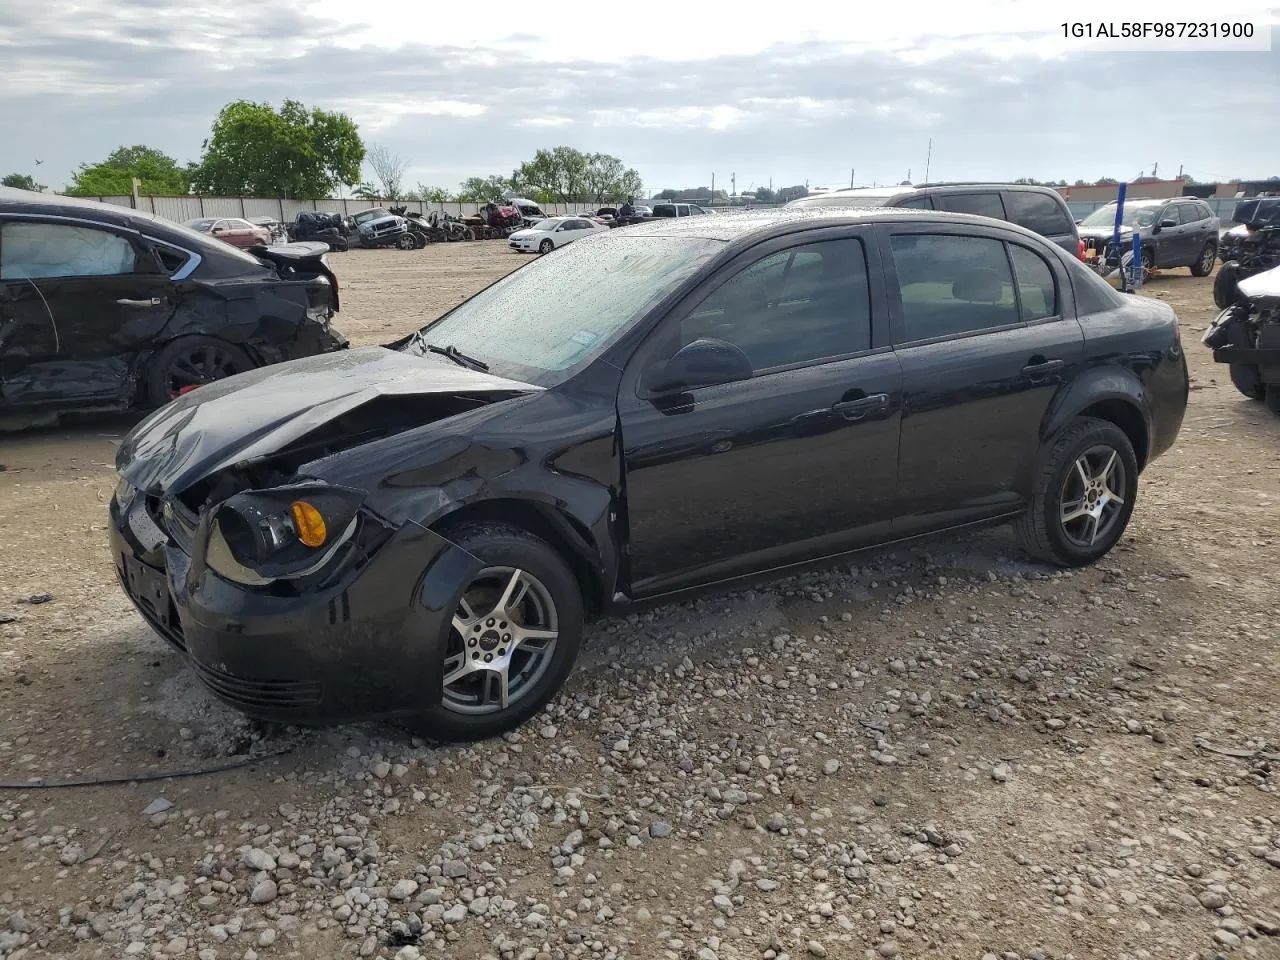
(181, 209)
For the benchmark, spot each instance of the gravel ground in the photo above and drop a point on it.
(943, 752)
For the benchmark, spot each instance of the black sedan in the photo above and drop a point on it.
(106, 308)
(420, 530)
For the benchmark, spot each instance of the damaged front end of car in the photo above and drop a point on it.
(1246, 336)
(297, 598)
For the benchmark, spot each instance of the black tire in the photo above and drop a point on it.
(546, 246)
(508, 548)
(1226, 285)
(1247, 377)
(191, 362)
(1148, 262)
(406, 242)
(1042, 531)
(1204, 264)
(1272, 398)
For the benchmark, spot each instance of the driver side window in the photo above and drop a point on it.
(801, 305)
(36, 250)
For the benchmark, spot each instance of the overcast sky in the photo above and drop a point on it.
(802, 92)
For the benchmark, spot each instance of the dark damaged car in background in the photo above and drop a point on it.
(108, 308)
(420, 530)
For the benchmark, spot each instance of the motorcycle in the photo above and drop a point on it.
(1246, 337)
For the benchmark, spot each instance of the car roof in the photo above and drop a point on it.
(126, 218)
(749, 224)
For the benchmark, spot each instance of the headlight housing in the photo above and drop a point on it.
(285, 533)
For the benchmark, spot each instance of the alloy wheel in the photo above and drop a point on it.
(1091, 503)
(503, 636)
(200, 365)
(1207, 258)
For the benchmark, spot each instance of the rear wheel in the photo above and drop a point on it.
(516, 630)
(190, 362)
(1226, 285)
(1083, 497)
(1272, 398)
(1204, 264)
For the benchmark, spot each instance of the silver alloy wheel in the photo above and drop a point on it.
(502, 642)
(1092, 495)
(1207, 257)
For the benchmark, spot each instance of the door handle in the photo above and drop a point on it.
(1043, 369)
(153, 302)
(862, 407)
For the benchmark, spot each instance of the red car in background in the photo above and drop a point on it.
(232, 230)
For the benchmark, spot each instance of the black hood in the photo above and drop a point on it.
(256, 414)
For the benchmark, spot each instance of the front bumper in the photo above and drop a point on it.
(369, 645)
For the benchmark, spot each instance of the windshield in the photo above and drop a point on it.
(546, 224)
(543, 321)
(825, 200)
(200, 225)
(375, 214)
(1133, 216)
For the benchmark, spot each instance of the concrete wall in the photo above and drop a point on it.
(181, 209)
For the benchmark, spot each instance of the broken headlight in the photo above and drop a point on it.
(285, 533)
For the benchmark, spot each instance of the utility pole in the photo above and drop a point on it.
(1154, 167)
(733, 184)
(713, 186)
(928, 159)
(851, 173)
(908, 174)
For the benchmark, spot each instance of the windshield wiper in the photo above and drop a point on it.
(452, 352)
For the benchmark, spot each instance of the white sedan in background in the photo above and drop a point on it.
(545, 235)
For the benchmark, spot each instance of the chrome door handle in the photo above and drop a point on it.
(153, 302)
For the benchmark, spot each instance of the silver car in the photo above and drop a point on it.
(545, 235)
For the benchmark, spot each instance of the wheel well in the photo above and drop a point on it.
(522, 513)
(1128, 418)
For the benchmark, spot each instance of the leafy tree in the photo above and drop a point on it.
(787, 194)
(667, 194)
(366, 191)
(21, 181)
(484, 189)
(765, 195)
(1104, 181)
(389, 168)
(159, 173)
(433, 194)
(566, 175)
(295, 153)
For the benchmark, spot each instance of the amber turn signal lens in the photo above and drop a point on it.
(309, 523)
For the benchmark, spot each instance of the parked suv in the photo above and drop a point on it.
(677, 210)
(1182, 232)
(421, 529)
(1040, 209)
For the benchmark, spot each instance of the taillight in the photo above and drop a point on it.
(1080, 248)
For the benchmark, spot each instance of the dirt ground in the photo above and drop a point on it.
(943, 752)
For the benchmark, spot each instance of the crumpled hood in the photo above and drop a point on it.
(255, 414)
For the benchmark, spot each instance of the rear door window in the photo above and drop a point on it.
(36, 250)
(1038, 212)
(915, 203)
(950, 285)
(981, 204)
(1037, 291)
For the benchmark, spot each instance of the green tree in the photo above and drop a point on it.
(566, 175)
(765, 195)
(483, 189)
(21, 181)
(296, 153)
(433, 194)
(160, 174)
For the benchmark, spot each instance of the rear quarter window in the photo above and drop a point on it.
(980, 204)
(1038, 212)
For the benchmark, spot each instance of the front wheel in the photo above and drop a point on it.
(1083, 495)
(515, 634)
(1204, 263)
(546, 246)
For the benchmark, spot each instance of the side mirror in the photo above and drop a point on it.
(1168, 222)
(703, 363)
